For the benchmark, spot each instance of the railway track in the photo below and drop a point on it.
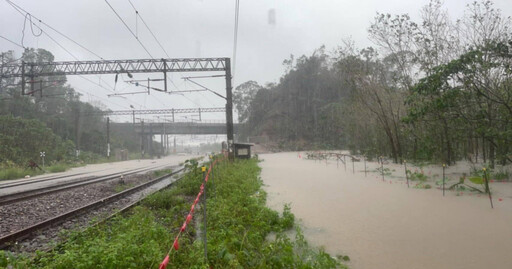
(39, 180)
(62, 186)
(8, 240)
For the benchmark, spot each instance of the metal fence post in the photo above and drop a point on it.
(382, 167)
(204, 216)
(364, 158)
(444, 167)
(406, 176)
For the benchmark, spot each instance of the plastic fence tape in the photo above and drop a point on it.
(175, 244)
(164, 263)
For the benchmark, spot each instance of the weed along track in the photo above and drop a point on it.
(30, 224)
(169, 228)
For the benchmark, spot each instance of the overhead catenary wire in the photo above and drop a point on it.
(137, 14)
(55, 30)
(138, 40)
(23, 12)
(235, 37)
(129, 29)
(12, 42)
(29, 17)
(104, 99)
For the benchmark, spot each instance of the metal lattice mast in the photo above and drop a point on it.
(34, 70)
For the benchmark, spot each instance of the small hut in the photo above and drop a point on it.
(243, 150)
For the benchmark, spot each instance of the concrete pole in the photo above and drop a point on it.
(229, 111)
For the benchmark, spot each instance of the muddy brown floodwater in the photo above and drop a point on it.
(386, 225)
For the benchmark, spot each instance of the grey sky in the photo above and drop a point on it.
(195, 28)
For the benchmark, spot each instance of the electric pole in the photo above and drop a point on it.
(229, 110)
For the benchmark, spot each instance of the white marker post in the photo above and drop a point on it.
(42, 154)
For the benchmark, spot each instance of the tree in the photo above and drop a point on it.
(243, 96)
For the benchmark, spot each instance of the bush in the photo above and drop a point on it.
(416, 176)
(16, 173)
(57, 168)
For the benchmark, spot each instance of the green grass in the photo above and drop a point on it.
(122, 187)
(57, 168)
(500, 175)
(416, 176)
(159, 173)
(16, 173)
(239, 229)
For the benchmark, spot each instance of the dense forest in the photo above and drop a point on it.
(433, 90)
(55, 121)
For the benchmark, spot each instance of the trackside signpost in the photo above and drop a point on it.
(42, 154)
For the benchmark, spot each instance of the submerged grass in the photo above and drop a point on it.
(239, 225)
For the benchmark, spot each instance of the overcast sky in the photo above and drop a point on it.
(195, 28)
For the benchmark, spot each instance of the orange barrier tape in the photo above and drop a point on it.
(164, 263)
(175, 244)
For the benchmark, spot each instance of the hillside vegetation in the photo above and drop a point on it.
(436, 89)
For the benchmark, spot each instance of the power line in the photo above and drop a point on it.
(235, 41)
(19, 45)
(55, 30)
(137, 13)
(95, 83)
(106, 100)
(21, 11)
(137, 38)
(29, 17)
(129, 29)
(143, 21)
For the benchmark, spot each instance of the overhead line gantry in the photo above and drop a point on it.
(33, 70)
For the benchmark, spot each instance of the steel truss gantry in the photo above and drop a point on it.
(113, 67)
(162, 111)
(34, 70)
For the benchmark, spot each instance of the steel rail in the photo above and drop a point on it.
(38, 180)
(34, 193)
(21, 234)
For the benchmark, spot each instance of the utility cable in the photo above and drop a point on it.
(137, 38)
(10, 41)
(235, 39)
(29, 17)
(106, 100)
(137, 14)
(22, 11)
(129, 29)
(55, 30)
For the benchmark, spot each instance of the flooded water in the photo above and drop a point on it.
(386, 225)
